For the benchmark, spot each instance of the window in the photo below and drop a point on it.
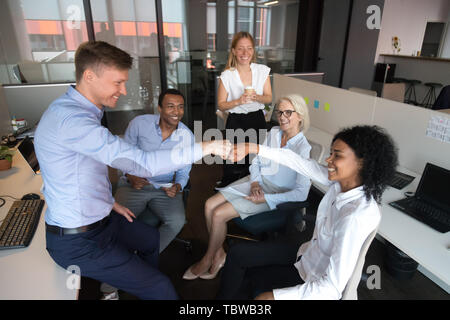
(211, 26)
(131, 26)
(42, 43)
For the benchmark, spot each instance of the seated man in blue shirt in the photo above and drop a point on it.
(85, 226)
(152, 199)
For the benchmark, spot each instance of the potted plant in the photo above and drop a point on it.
(5, 157)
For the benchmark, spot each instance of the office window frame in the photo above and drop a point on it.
(90, 29)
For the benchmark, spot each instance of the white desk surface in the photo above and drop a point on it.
(29, 273)
(428, 247)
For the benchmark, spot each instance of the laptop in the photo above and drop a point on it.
(431, 202)
(26, 148)
(400, 180)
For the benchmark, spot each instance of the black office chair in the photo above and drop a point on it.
(410, 94)
(443, 99)
(430, 97)
(187, 243)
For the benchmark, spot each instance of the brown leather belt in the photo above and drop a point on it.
(65, 231)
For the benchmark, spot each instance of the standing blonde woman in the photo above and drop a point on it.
(245, 107)
(268, 185)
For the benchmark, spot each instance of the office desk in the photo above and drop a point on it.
(425, 245)
(29, 273)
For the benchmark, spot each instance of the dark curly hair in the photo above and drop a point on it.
(378, 153)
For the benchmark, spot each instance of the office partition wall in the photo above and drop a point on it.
(420, 134)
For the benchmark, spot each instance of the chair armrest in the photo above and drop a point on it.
(294, 212)
(309, 217)
(292, 205)
(186, 191)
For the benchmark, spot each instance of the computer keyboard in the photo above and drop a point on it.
(400, 180)
(20, 224)
(430, 211)
(432, 216)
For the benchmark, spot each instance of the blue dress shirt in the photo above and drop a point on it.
(145, 133)
(74, 149)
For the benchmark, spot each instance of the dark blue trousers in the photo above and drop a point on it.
(256, 267)
(120, 253)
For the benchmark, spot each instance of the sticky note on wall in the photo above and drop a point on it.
(327, 107)
(306, 100)
(316, 104)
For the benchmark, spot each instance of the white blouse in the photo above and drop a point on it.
(235, 88)
(344, 221)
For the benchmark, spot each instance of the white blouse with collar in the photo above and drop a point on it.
(344, 221)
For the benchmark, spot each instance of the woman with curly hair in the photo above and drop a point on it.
(362, 160)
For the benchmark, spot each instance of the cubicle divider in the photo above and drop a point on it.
(332, 109)
(409, 126)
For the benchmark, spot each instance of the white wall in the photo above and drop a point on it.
(407, 19)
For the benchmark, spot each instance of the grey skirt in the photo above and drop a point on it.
(245, 208)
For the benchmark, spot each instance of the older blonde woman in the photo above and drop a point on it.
(267, 185)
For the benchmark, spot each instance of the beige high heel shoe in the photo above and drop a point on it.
(210, 276)
(189, 275)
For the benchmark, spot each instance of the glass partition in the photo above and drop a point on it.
(131, 26)
(45, 34)
(42, 40)
(274, 28)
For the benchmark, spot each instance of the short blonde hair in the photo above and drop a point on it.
(300, 107)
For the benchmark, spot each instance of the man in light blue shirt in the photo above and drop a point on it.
(157, 200)
(84, 225)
